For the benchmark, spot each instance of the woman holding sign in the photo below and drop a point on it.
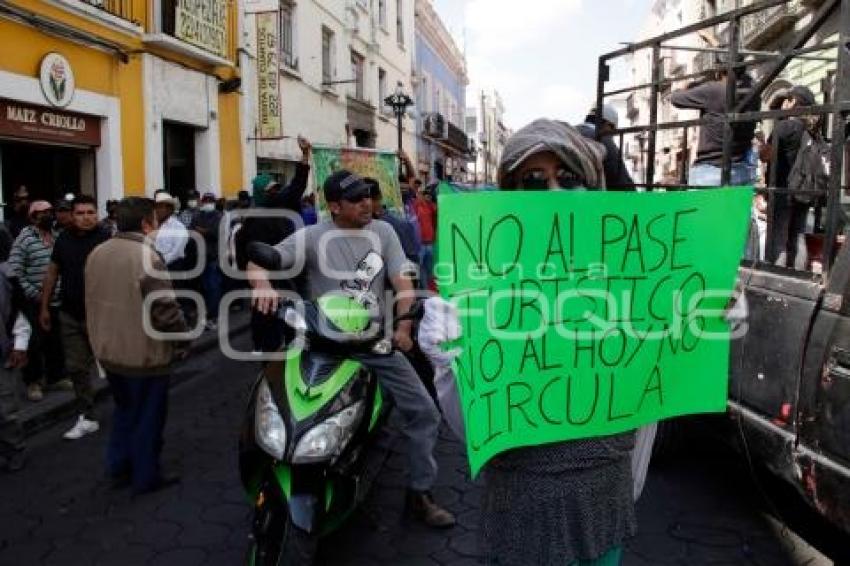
(563, 503)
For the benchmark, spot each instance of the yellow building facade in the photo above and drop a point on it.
(115, 98)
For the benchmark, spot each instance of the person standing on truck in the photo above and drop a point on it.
(617, 177)
(709, 97)
(788, 215)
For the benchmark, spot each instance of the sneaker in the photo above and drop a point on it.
(62, 385)
(35, 392)
(82, 428)
(422, 507)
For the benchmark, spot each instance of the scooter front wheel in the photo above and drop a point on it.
(283, 544)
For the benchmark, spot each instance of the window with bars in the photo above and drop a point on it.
(382, 89)
(424, 96)
(357, 73)
(327, 56)
(399, 21)
(382, 13)
(287, 35)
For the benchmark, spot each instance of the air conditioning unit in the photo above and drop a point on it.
(435, 125)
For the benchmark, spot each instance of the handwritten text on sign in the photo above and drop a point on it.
(203, 23)
(588, 313)
(268, 76)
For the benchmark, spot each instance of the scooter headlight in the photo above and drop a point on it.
(268, 426)
(328, 439)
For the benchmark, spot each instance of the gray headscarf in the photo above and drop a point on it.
(581, 155)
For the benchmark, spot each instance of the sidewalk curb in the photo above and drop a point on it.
(58, 406)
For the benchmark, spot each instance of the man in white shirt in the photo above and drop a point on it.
(173, 236)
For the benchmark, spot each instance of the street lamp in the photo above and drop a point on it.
(399, 102)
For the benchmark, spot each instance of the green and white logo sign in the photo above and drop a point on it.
(57, 80)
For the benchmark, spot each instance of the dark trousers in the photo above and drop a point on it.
(211, 281)
(11, 433)
(788, 222)
(796, 226)
(46, 359)
(79, 361)
(135, 443)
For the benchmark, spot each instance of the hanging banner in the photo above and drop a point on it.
(379, 165)
(588, 313)
(268, 76)
(202, 23)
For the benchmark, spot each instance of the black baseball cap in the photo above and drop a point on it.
(64, 204)
(345, 185)
(803, 95)
(374, 187)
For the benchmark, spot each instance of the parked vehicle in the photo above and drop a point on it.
(789, 381)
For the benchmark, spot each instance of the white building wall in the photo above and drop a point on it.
(664, 16)
(176, 94)
(490, 121)
(321, 113)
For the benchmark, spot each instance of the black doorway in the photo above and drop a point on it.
(47, 171)
(178, 158)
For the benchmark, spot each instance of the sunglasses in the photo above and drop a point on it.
(538, 180)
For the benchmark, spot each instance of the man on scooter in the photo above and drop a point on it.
(354, 254)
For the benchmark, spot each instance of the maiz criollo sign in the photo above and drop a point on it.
(588, 313)
(202, 23)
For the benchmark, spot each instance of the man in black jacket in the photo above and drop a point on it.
(266, 330)
(788, 218)
(617, 178)
(709, 98)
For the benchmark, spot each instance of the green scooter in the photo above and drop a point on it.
(306, 449)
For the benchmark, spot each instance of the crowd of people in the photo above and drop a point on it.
(45, 248)
(73, 290)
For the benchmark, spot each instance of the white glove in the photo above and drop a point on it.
(440, 324)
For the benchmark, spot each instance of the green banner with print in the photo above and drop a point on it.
(379, 165)
(588, 313)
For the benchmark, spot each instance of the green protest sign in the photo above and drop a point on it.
(588, 313)
(379, 165)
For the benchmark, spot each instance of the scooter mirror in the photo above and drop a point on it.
(294, 320)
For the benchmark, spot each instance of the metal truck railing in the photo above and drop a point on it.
(834, 110)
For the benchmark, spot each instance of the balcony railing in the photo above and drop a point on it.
(457, 139)
(434, 125)
(120, 8)
(760, 28)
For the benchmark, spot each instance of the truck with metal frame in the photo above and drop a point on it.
(789, 377)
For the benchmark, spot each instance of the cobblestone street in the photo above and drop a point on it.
(60, 510)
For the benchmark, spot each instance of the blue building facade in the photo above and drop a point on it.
(441, 81)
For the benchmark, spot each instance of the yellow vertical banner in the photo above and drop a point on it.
(268, 76)
(203, 23)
